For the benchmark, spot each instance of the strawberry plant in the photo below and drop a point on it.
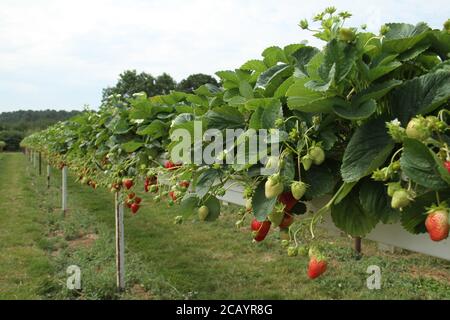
(362, 120)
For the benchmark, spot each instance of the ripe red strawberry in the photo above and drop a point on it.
(437, 224)
(128, 183)
(172, 195)
(288, 200)
(184, 184)
(134, 208)
(263, 231)
(288, 219)
(255, 225)
(137, 200)
(317, 266)
(168, 164)
(447, 165)
(131, 195)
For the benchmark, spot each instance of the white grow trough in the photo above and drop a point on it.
(386, 234)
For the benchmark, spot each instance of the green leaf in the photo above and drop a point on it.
(339, 56)
(245, 89)
(321, 181)
(273, 77)
(224, 117)
(413, 52)
(419, 165)
(302, 57)
(288, 169)
(383, 66)
(256, 65)
(131, 146)
(189, 203)
(228, 75)
(368, 149)
(118, 125)
(273, 55)
(207, 90)
(205, 181)
(420, 95)
(213, 205)
(343, 191)
(304, 99)
(265, 117)
(350, 217)
(403, 36)
(375, 201)
(155, 129)
(355, 112)
(375, 91)
(283, 88)
(261, 205)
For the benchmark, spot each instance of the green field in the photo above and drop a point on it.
(166, 261)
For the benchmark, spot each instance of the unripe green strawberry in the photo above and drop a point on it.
(306, 162)
(284, 234)
(392, 187)
(303, 251)
(178, 220)
(400, 199)
(418, 129)
(346, 34)
(317, 155)
(276, 217)
(273, 187)
(298, 189)
(248, 205)
(284, 243)
(203, 213)
(292, 251)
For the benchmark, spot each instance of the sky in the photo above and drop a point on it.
(60, 54)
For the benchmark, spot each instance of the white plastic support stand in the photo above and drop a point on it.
(120, 243)
(64, 190)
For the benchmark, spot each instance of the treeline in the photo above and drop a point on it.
(131, 82)
(16, 125)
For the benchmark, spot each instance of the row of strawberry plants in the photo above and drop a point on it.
(362, 120)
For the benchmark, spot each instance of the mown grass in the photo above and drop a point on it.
(201, 260)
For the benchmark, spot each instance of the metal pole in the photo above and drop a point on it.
(40, 163)
(64, 190)
(358, 246)
(48, 176)
(120, 243)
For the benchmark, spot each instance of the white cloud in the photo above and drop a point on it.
(65, 52)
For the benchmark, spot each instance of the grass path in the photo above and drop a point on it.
(193, 260)
(23, 264)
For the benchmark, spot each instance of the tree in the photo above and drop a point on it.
(130, 82)
(164, 84)
(194, 81)
(12, 138)
(2, 145)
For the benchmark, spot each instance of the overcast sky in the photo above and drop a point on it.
(60, 54)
